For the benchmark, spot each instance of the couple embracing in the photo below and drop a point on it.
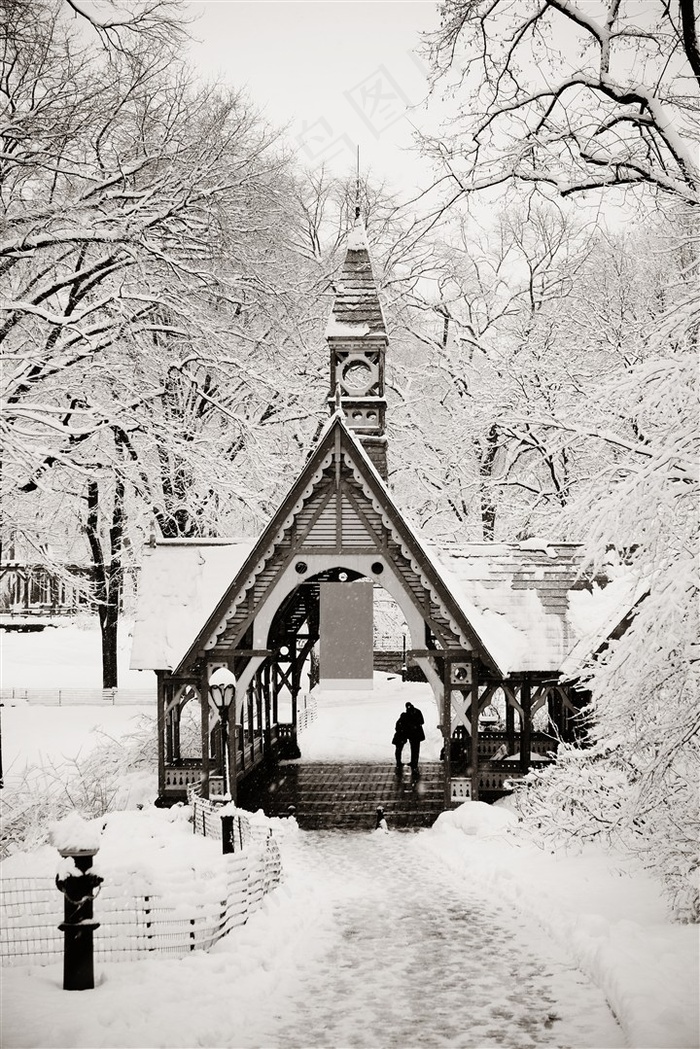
(409, 729)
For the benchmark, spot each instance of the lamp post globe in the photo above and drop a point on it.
(222, 689)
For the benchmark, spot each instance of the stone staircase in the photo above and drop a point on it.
(326, 795)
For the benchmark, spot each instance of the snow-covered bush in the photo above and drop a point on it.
(115, 774)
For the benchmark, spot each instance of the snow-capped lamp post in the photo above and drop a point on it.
(222, 689)
(77, 841)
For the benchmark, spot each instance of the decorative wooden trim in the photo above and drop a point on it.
(300, 537)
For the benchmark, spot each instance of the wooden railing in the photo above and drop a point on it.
(179, 777)
(489, 743)
(498, 775)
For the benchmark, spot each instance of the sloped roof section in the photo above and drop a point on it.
(357, 312)
(181, 582)
(531, 604)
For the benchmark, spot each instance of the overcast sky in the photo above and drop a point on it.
(339, 74)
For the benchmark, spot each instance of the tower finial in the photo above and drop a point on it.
(357, 186)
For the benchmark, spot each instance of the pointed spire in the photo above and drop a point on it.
(356, 310)
(357, 187)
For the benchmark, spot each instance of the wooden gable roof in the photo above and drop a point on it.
(339, 504)
(523, 608)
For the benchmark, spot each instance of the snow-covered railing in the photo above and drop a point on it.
(63, 697)
(207, 816)
(185, 920)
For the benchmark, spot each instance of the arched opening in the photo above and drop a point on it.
(282, 693)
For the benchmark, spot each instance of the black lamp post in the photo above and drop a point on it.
(222, 689)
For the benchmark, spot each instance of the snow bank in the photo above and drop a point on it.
(477, 818)
(600, 906)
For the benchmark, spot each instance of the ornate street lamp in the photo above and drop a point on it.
(222, 689)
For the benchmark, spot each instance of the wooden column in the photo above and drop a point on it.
(231, 746)
(168, 728)
(474, 723)
(251, 722)
(242, 731)
(160, 707)
(447, 734)
(526, 732)
(177, 714)
(268, 715)
(259, 708)
(510, 725)
(204, 709)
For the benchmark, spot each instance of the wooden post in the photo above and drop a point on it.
(474, 722)
(231, 751)
(251, 722)
(268, 715)
(204, 711)
(259, 711)
(526, 731)
(161, 701)
(447, 734)
(242, 729)
(510, 724)
(168, 721)
(176, 715)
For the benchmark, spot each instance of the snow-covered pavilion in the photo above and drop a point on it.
(485, 621)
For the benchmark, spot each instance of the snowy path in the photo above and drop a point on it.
(420, 960)
(371, 941)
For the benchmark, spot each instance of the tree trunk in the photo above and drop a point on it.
(487, 456)
(108, 576)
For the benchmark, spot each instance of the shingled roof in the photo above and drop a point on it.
(532, 603)
(356, 310)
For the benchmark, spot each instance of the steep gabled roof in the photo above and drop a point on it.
(337, 446)
(181, 581)
(524, 607)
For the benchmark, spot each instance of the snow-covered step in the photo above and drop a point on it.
(326, 795)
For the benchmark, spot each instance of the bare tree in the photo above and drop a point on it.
(585, 102)
(557, 93)
(140, 219)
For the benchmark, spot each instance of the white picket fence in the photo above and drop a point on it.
(131, 926)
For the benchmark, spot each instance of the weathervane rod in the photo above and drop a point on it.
(357, 185)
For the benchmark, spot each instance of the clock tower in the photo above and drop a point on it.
(357, 339)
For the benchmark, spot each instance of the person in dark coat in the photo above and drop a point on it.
(400, 738)
(413, 721)
(409, 729)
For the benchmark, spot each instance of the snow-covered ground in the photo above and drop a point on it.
(66, 656)
(337, 955)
